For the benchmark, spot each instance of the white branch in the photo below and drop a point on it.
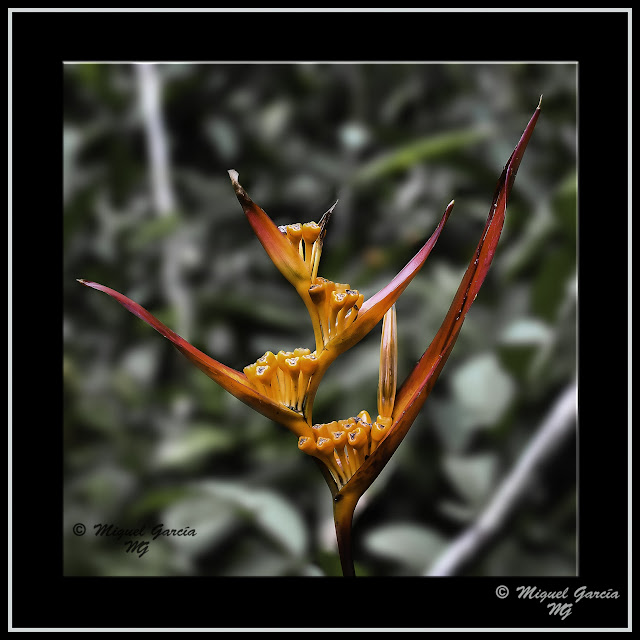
(156, 139)
(162, 193)
(558, 424)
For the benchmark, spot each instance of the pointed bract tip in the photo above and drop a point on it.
(540, 102)
(324, 221)
(241, 194)
(80, 280)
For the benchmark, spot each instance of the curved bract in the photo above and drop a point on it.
(229, 379)
(418, 384)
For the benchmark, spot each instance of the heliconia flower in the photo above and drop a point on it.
(350, 452)
(229, 379)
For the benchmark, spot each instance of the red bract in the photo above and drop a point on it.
(417, 386)
(229, 379)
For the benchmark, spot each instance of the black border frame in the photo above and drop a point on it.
(42, 597)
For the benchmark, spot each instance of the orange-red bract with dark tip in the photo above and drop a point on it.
(414, 391)
(275, 243)
(229, 379)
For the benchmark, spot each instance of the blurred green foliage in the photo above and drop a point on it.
(149, 439)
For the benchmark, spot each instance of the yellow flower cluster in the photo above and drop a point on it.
(307, 240)
(336, 306)
(284, 377)
(343, 445)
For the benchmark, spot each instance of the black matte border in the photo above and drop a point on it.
(41, 596)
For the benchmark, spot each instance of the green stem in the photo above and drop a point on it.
(343, 508)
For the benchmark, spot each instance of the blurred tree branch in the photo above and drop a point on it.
(559, 422)
(162, 192)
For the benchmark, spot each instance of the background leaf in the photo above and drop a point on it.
(406, 543)
(482, 389)
(474, 476)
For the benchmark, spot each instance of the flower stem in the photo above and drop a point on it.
(343, 508)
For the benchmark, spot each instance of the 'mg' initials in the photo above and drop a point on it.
(563, 609)
(140, 546)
